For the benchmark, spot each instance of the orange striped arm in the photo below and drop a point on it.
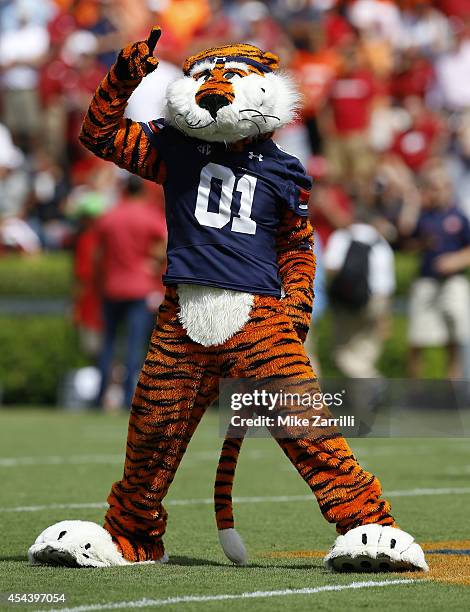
(297, 269)
(106, 133)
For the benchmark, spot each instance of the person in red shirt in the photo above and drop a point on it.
(455, 8)
(132, 241)
(350, 101)
(413, 76)
(351, 95)
(338, 31)
(417, 143)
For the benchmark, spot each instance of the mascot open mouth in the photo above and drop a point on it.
(229, 93)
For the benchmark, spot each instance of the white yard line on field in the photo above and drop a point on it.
(239, 500)
(153, 603)
(457, 470)
(11, 462)
(42, 460)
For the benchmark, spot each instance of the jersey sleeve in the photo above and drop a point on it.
(153, 130)
(159, 135)
(297, 188)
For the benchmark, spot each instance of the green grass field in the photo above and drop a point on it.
(51, 461)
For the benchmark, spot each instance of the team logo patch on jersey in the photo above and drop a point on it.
(257, 156)
(205, 149)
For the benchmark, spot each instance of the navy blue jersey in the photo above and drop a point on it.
(443, 231)
(223, 209)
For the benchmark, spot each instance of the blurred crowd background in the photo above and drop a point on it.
(384, 132)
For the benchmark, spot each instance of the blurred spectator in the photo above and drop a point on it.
(413, 74)
(452, 70)
(15, 233)
(424, 27)
(338, 31)
(455, 8)
(132, 242)
(459, 165)
(315, 68)
(17, 236)
(14, 11)
(22, 50)
(87, 207)
(14, 185)
(330, 206)
(394, 198)
(440, 297)
(83, 74)
(387, 120)
(44, 210)
(351, 97)
(106, 30)
(419, 140)
(360, 264)
(380, 16)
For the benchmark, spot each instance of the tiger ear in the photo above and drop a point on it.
(271, 60)
(188, 62)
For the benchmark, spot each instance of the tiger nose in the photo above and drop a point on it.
(212, 103)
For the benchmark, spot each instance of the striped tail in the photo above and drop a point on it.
(229, 539)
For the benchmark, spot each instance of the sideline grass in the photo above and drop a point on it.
(78, 457)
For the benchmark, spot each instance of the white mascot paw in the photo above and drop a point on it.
(376, 548)
(233, 546)
(75, 544)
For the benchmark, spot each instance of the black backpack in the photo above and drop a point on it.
(350, 286)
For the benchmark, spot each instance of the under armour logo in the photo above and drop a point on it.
(252, 155)
(205, 149)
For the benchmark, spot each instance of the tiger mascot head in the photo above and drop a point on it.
(231, 93)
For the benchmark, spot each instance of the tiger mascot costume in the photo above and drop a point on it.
(238, 233)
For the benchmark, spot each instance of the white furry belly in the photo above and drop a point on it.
(211, 315)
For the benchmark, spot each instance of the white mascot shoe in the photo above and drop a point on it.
(75, 544)
(376, 548)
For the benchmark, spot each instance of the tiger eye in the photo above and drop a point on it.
(205, 76)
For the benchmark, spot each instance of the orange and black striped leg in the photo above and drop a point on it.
(136, 518)
(268, 348)
(175, 387)
(347, 494)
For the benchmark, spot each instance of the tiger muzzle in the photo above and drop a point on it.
(213, 103)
